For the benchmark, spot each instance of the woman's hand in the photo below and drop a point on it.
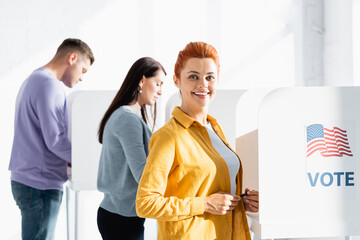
(220, 203)
(251, 200)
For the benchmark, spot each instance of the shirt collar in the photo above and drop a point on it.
(187, 121)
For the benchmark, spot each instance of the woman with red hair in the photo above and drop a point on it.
(192, 178)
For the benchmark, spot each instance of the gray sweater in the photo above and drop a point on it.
(123, 156)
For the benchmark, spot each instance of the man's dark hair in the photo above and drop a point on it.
(73, 44)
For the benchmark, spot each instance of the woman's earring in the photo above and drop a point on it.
(139, 90)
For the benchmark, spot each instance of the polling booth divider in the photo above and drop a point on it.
(246, 129)
(86, 109)
(301, 152)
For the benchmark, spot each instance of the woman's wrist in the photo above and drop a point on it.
(205, 204)
(208, 205)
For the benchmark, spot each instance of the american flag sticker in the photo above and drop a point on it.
(328, 142)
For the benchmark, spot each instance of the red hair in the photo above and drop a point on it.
(196, 50)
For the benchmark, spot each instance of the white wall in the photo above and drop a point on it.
(338, 43)
(255, 41)
(356, 41)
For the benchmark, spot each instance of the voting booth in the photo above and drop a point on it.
(86, 109)
(300, 149)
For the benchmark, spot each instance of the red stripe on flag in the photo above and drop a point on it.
(315, 150)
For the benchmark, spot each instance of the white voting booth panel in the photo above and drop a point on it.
(86, 111)
(301, 151)
(247, 133)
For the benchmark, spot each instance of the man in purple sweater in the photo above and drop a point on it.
(41, 148)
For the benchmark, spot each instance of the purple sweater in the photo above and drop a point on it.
(41, 148)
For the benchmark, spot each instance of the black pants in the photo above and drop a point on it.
(113, 226)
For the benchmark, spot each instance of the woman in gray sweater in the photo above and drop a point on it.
(125, 135)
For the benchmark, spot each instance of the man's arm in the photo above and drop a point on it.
(51, 109)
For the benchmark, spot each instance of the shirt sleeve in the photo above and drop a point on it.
(50, 104)
(150, 200)
(131, 138)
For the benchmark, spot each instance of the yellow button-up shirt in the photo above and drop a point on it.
(182, 168)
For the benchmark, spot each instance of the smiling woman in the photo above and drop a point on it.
(192, 178)
(197, 84)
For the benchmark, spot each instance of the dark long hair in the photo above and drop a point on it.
(129, 90)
